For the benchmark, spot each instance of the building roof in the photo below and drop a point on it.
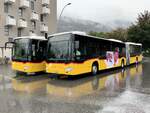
(31, 37)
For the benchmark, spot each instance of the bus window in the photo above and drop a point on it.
(77, 51)
(123, 51)
(41, 50)
(80, 48)
(38, 50)
(21, 49)
(118, 47)
(92, 48)
(104, 47)
(59, 48)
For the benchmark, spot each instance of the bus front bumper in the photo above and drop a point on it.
(28, 67)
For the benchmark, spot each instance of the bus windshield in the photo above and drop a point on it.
(59, 48)
(21, 49)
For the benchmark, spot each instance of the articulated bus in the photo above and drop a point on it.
(28, 54)
(74, 53)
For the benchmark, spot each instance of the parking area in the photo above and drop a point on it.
(117, 91)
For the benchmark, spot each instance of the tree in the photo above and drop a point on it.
(119, 34)
(140, 31)
(98, 34)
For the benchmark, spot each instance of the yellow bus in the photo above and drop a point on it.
(74, 53)
(133, 52)
(28, 54)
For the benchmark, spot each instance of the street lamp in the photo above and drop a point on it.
(62, 11)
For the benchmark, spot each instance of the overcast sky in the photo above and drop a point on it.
(104, 10)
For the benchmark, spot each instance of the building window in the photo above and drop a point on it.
(10, 39)
(20, 12)
(19, 32)
(41, 18)
(6, 8)
(34, 24)
(32, 5)
(31, 31)
(6, 30)
(12, 17)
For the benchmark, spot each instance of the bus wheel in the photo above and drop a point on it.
(122, 64)
(94, 69)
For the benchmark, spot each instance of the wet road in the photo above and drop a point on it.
(119, 91)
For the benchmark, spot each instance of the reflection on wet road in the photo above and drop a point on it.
(119, 91)
(111, 82)
(29, 84)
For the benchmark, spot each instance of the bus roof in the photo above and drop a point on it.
(70, 32)
(132, 43)
(115, 40)
(84, 34)
(31, 37)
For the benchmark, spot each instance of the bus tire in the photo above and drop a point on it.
(122, 64)
(94, 69)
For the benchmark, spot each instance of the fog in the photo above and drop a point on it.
(104, 11)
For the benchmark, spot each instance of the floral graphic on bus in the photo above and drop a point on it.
(112, 58)
(109, 59)
(116, 56)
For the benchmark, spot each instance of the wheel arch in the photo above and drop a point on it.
(96, 63)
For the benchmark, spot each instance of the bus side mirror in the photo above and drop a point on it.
(46, 36)
(76, 44)
(8, 43)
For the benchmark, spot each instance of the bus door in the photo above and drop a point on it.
(127, 54)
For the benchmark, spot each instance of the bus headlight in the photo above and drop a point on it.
(26, 67)
(68, 69)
